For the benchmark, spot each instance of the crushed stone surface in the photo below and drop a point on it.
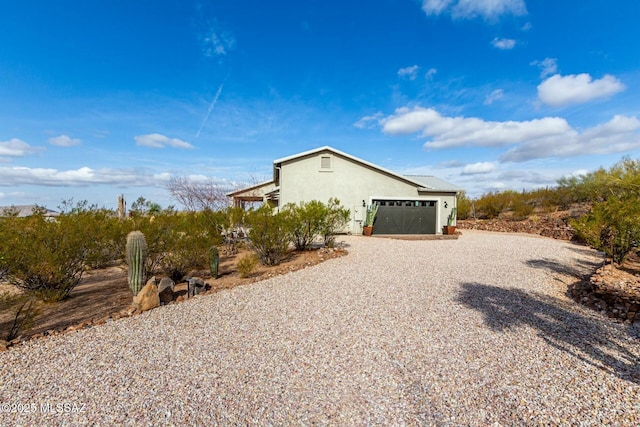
(475, 331)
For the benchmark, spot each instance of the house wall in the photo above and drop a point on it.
(304, 179)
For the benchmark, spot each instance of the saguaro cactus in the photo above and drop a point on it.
(136, 258)
(214, 261)
(122, 207)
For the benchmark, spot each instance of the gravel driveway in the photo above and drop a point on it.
(474, 331)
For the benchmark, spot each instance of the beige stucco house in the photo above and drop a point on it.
(407, 204)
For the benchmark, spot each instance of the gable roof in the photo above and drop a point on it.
(249, 189)
(26, 210)
(428, 183)
(433, 183)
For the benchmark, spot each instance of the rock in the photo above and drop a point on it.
(165, 290)
(3, 345)
(147, 298)
(165, 283)
(195, 286)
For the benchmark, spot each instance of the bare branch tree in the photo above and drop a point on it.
(197, 196)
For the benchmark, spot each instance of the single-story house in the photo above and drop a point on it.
(407, 204)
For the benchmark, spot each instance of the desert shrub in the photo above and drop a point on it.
(549, 199)
(247, 264)
(592, 187)
(178, 241)
(44, 257)
(336, 217)
(233, 217)
(521, 208)
(305, 222)
(190, 243)
(24, 310)
(144, 207)
(613, 224)
(269, 235)
(464, 205)
(492, 204)
(104, 231)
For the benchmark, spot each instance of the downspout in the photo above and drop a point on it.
(455, 205)
(279, 182)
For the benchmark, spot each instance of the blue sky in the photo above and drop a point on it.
(99, 98)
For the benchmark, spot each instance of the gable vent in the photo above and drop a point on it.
(325, 162)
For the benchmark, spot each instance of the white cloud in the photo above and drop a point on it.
(64, 141)
(368, 121)
(503, 43)
(559, 91)
(494, 96)
(75, 177)
(409, 72)
(218, 43)
(16, 148)
(445, 132)
(84, 176)
(468, 9)
(479, 168)
(430, 73)
(156, 140)
(435, 7)
(526, 140)
(548, 66)
(526, 27)
(620, 134)
(579, 172)
(450, 164)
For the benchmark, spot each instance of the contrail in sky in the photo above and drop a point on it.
(213, 104)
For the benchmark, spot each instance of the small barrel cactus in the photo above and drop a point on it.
(136, 251)
(214, 260)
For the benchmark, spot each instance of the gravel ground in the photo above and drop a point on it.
(474, 331)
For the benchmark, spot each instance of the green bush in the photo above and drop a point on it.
(191, 241)
(521, 208)
(42, 256)
(105, 233)
(492, 204)
(613, 225)
(178, 241)
(247, 264)
(305, 222)
(310, 221)
(464, 205)
(336, 217)
(269, 235)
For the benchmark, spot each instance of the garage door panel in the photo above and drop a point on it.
(405, 219)
(388, 220)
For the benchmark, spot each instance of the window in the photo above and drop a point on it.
(325, 162)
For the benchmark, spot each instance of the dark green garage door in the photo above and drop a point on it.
(405, 217)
